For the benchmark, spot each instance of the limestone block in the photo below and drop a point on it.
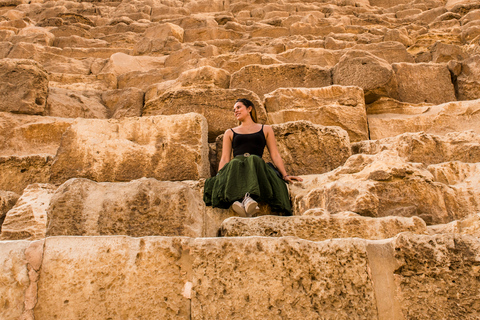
(66, 103)
(164, 30)
(440, 119)
(144, 207)
(427, 148)
(328, 106)
(24, 86)
(263, 79)
(214, 103)
(123, 103)
(7, 201)
(75, 41)
(121, 63)
(34, 35)
(311, 56)
(383, 185)
(14, 279)
(235, 62)
(28, 218)
(362, 69)
(387, 3)
(79, 82)
(470, 225)
(144, 80)
(161, 147)
(23, 135)
(399, 35)
(17, 172)
(468, 81)
(451, 272)
(390, 51)
(442, 52)
(457, 174)
(423, 82)
(324, 227)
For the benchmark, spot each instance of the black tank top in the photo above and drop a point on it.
(253, 143)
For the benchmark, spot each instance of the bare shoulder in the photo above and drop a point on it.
(268, 130)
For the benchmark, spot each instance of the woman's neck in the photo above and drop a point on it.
(247, 122)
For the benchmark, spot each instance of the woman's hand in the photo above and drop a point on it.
(290, 179)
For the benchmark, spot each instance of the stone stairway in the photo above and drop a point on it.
(111, 118)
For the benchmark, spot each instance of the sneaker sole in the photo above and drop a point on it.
(238, 208)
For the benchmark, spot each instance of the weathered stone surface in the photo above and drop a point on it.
(311, 56)
(14, 279)
(235, 62)
(467, 226)
(362, 69)
(121, 63)
(24, 86)
(23, 135)
(214, 103)
(422, 82)
(468, 80)
(7, 201)
(427, 148)
(324, 227)
(263, 79)
(161, 147)
(390, 51)
(66, 103)
(34, 35)
(17, 172)
(28, 218)
(329, 106)
(144, 207)
(123, 103)
(389, 118)
(383, 185)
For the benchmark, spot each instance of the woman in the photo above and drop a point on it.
(246, 179)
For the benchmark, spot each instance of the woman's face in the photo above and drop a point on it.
(241, 111)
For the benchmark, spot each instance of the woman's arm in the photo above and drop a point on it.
(275, 155)
(226, 149)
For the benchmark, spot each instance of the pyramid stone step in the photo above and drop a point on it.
(7, 201)
(470, 225)
(17, 172)
(103, 81)
(323, 227)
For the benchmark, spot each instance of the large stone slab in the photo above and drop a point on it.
(162, 147)
(145, 207)
(23, 135)
(468, 79)
(28, 218)
(263, 79)
(24, 86)
(427, 148)
(215, 104)
(390, 118)
(323, 227)
(66, 103)
(7, 201)
(329, 106)
(17, 172)
(467, 226)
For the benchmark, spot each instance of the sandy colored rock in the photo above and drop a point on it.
(22, 135)
(427, 148)
(235, 62)
(383, 185)
(324, 227)
(422, 82)
(214, 103)
(164, 30)
(330, 106)
(123, 103)
(66, 103)
(390, 51)
(144, 207)
(28, 218)
(389, 118)
(121, 63)
(24, 86)
(446, 52)
(468, 81)
(263, 79)
(467, 226)
(14, 279)
(17, 172)
(311, 56)
(7, 201)
(34, 35)
(362, 69)
(161, 147)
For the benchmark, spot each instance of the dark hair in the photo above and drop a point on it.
(247, 103)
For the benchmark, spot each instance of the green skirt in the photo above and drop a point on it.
(247, 174)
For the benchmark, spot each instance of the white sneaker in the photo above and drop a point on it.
(250, 205)
(238, 207)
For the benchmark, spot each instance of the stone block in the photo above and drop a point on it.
(324, 227)
(28, 218)
(122, 103)
(263, 79)
(24, 86)
(330, 106)
(311, 56)
(162, 31)
(121, 63)
(470, 225)
(468, 81)
(214, 103)
(7, 201)
(67, 103)
(161, 147)
(390, 51)
(17, 172)
(144, 207)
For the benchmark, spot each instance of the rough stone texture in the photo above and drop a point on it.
(324, 227)
(66, 103)
(24, 86)
(161, 147)
(427, 148)
(390, 51)
(28, 218)
(14, 279)
(144, 207)
(17, 172)
(121, 63)
(215, 104)
(384, 185)
(7, 201)
(23, 135)
(329, 106)
(123, 103)
(362, 69)
(389, 119)
(422, 82)
(263, 79)
(467, 226)
(468, 81)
